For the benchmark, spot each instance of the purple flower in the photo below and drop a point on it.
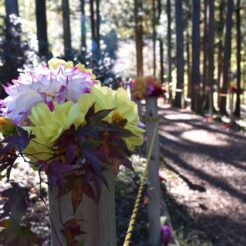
(166, 234)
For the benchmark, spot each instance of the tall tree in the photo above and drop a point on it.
(154, 35)
(98, 24)
(238, 19)
(227, 56)
(161, 46)
(42, 28)
(210, 77)
(188, 61)
(205, 48)
(13, 52)
(93, 28)
(169, 48)
(220, 47)
(195, 72)
(66, 28)
(12, 7)
(179, 54)
(139, 36)
(83, 27)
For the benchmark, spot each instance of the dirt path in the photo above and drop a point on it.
(211, 162)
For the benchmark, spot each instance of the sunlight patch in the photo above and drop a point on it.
(205, 137)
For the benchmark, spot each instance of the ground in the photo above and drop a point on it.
(205, 167)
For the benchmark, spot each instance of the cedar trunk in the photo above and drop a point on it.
(238, 17)
(210, 81)
(195, 73)
(220, 48)
(138, 36)
(66, 28)
(154, 36)
(83, 28)
(180, 54)
(169, 49)
(227, 57)
(41, 21)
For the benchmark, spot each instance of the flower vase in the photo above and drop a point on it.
(96, 221)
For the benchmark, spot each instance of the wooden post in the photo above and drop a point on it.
(153, 177)
(97, 220)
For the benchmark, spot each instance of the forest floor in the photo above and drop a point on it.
(204, 163)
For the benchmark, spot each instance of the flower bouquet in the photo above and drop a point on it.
(64, 123)
(143, 88)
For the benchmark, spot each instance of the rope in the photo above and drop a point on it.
(140, 192)
(151, 119)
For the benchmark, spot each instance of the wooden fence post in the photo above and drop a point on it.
(97, 220)
(153, 178)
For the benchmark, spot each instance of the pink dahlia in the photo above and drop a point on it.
(59, 82)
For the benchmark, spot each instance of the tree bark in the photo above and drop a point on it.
(154, 36)
(161, 47)
(227, 56)
(205, 60)
(161, 60)
(220, 48)
(179, 54)
(41, 21)
(83, 28)
(138, 36)
(169, 49)
(12, 7)
(195, 72)
(93, 29)
(188, 64)
(66, 28)
(238, 19)
(98, 21)
(210, 81)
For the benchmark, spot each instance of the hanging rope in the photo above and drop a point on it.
(140, 192)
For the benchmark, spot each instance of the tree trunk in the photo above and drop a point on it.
(161, 47)
(169, 49)
(98, 21)
(83, 28)
(138, 36)
(188, 64)
(93, 29)
(42, 28)
(161, 61)
(153, 175)
(195, 72)
(66, 28)
(227, 56)
(238, 19)
(180, 54)
(12, 7)
(12, 47)
(220, 48)
(154, 36)
(205, 60)
(210, 81)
